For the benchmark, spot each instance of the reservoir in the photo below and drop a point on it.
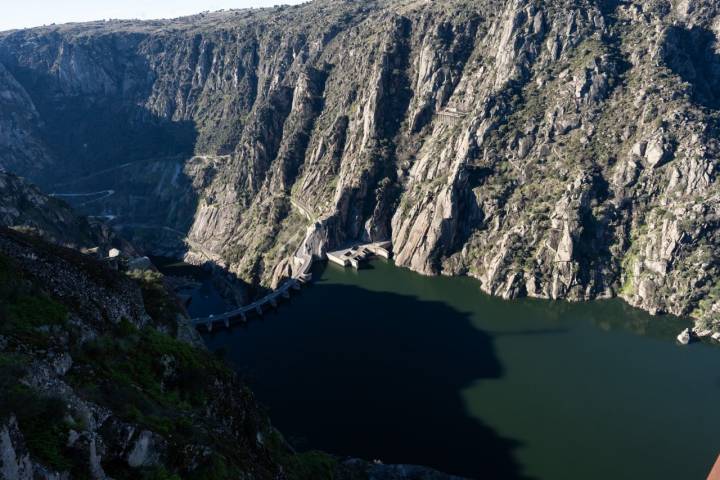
(385, 364)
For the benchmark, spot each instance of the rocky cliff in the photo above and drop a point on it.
(25, 208)
(557, 149)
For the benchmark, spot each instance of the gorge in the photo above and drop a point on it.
(540, 168)
(580, 163)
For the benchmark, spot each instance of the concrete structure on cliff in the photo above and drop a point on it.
(355, 254)
(451, 116)
(241, 314)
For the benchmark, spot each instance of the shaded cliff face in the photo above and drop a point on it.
(25, 208)
(562, 149)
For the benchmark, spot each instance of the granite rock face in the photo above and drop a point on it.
(15, 462)
(21, 146)
(559, 149)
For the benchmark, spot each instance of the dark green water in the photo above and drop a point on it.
(204, 298)
(386, 364)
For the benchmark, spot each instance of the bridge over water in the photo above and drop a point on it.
(302, 264)
(258, 307)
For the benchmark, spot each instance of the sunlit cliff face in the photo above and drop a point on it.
(562, 150)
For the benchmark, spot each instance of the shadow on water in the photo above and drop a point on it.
(525, 333)
(364, 373)
(366, 266)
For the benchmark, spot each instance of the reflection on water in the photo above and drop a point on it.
(383, 363)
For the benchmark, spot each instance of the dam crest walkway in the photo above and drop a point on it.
(302, 267)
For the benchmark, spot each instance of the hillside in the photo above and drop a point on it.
(103, 377)
(24, 207)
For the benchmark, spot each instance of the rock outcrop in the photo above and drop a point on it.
(24, 207)
(559, 149)
(15, 461)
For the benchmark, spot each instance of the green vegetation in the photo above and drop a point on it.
(704, 311)
(312, 465)
(587, 51)
(40, 418)
(147, 377)
(628, 262)
(26, 315)
(26, 318)
(36, 311)
(217, 467)
(159, 304)
(25, 311)
(150, 379)
(287, 239)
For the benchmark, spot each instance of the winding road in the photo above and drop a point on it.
(105, 194)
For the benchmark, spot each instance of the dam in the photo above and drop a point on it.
(350, 256)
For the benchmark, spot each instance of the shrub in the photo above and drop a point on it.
(40, 418)
(311, 465)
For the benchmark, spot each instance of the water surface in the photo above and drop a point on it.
(204, 297)
(387, 364)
